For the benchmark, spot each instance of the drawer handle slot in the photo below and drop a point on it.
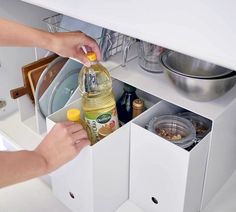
(154, 200)
(72, 195)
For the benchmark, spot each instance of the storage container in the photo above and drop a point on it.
(98, 178)
(163, 175)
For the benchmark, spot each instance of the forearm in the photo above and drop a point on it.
(65, 44)
(19, 166)
(14, 34)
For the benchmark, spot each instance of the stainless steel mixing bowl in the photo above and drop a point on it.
(192, 67)
(200, 89)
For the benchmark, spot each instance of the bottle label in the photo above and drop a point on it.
(102, 124)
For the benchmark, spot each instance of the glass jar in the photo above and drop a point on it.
(175, 129)
(148, 57)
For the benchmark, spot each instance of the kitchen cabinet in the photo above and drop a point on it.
(13, 58)
(203, 29)
(25, 197)
(183, 28)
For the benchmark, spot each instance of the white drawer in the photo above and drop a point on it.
(164, 176)
(98, 177)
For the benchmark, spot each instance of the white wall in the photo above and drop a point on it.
(11, 58)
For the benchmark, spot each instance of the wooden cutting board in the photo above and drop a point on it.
(50, 73)
(34, 76)
(26, 88)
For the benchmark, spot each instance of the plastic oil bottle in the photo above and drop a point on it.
(98, 102)
(73, 114)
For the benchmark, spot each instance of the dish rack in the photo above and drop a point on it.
(114, 57)
(114, 39)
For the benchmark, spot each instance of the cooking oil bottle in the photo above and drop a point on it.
(73, 114)
(98, 102)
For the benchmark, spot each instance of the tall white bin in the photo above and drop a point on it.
(164, 176)
(97, 179)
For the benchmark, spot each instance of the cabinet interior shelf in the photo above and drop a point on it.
(160, 86)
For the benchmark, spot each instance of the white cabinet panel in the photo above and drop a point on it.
(13, 58)
(203, 29)
(163, 176)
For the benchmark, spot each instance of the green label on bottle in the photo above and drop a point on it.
(104, 118)
(102, 124)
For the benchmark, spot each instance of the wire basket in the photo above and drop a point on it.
(110, 42)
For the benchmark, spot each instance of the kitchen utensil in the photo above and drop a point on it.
(34, 75)
(106, 41)
(127, 43)
(44, 83)
(200, 89)
(175, 129)
(74, 24)
(148, 57)
(49, 74)
(192, 67)
(60, 86)
(63, 90)
(26, 89)
(110, 42)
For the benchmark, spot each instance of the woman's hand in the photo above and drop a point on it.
(69, 44)
(65, 140)
(66, 44)
(62, 144)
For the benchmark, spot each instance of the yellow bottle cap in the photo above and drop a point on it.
(91, 56)
(73, 114)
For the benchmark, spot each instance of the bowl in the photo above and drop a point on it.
(199, 89)
(173, 128)
(192, 67)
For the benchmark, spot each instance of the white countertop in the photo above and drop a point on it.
(21, 135)
(36, 196)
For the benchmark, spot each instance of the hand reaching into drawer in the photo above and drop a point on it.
(62, 144)
(66, 139)
(66, 44)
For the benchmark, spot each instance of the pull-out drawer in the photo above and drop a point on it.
(98, 178)
(164, 176)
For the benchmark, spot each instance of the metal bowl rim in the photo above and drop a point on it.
(165, 54)
(226, 77)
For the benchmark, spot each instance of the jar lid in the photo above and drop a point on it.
(73, 114)
(175, 129)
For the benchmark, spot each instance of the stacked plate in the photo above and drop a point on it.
(56, 85)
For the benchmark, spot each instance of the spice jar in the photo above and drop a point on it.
(138, 107)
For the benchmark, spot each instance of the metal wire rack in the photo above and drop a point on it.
(114, 41)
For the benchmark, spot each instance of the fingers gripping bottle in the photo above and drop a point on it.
(74, 115)
(98, 102)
